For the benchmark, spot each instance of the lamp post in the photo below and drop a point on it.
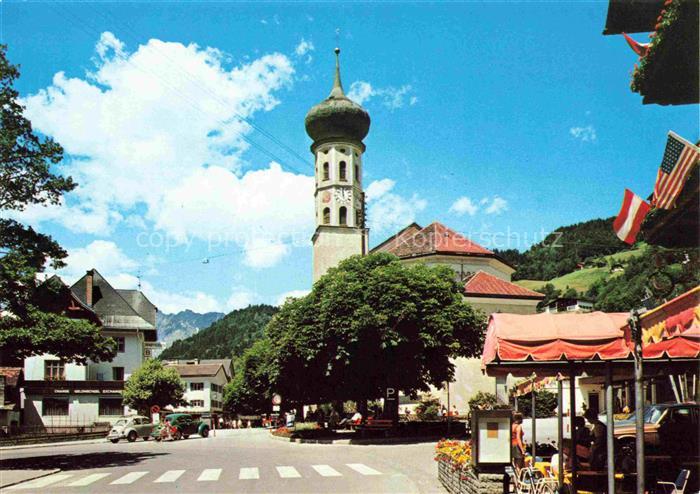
(636, 330)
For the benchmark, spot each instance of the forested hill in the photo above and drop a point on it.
(561, 251)
(228, 337)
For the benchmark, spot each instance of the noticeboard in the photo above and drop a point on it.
(491, 436)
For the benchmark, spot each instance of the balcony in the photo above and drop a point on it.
(73, 387)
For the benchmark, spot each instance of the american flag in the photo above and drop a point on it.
(679, 158)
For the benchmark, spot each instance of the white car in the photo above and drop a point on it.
(131, 428)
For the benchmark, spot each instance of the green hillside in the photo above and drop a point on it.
(228, 337)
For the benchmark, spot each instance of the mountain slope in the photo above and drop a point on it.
(228, 337)
(178, 326)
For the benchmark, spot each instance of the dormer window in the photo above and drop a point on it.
(342, 172)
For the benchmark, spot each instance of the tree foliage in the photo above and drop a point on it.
(370, 323)
(545, 404)
(153, 384)
(428, 408)
(228, 337)
(483, 400)
(250, 390)
(26, 179)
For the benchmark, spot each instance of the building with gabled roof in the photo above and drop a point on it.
(487, 287)
(59, 394)
(204, 381)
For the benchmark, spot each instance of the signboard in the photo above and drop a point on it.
(491, 432)
(391, 394)
(276, 400)
(155, 409)
(275, 408)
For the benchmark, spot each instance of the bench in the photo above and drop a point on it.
(381, 425)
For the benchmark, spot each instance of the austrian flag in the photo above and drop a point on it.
(629, 220)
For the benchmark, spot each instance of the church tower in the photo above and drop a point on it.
(337, 126)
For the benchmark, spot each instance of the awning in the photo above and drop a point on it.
(555, 337)
(672, 330)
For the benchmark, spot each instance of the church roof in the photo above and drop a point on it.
(337, 117)
(487, 285)
(435, 238)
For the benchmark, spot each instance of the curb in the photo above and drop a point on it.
(51, 445)
(358, 442)
(50, 472)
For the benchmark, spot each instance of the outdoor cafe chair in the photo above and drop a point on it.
(528, 480)
(676, 487)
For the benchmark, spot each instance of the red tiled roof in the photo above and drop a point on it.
(435, 238)
(485, 285)
(11, 374)
(392, 242)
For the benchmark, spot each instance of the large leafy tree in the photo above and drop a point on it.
(26, 179)
(370, 323)
(250, 390)
(153, 384)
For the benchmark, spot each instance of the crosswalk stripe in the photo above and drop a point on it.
(129, 478)
(43, 482)
(326, 471)
(249, 473)
(94, 477)
(288, 472)
(169, 476)
(209, 475)
(363, 469)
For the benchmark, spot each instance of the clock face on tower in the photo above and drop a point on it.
(343, 195)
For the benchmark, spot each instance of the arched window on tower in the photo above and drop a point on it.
(357, 173)
(343, 172)
(343, 216)
(326, 171)
(326, 216)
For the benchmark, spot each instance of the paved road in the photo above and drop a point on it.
(243, 461)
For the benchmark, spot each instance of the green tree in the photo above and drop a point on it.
(250, 390)
(428, 408)
(26, 179)
(483, 400)
(153, 384)
(370, 323)
(545, 404)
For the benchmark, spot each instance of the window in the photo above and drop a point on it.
(357, 173)
(52, 407)
(326, 216)
(358, 218)
(117, 373)
(54, 370)
(196, 386)
(111, 406)
(343, 172)
(216, 404)
(100, 376)
(326, 171)
(120, 343)
(343, 215)
(197, 403)
(216, 388)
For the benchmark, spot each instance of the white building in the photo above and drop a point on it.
(67, 394)
(205, 381)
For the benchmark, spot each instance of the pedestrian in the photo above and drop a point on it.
(516, 441)
(598, 452)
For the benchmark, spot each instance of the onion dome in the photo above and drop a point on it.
(337, 117)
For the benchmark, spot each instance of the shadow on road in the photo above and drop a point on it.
(77, 461)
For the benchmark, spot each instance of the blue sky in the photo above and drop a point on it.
(502, 120)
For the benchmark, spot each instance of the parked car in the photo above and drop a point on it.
(184, 426)
(131, 428)
(670, 430)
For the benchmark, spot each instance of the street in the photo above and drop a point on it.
(235, 461)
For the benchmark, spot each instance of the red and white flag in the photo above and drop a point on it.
(680, 157)
(629, 219)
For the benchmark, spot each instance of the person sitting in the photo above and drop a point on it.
(598, 452)
(565, 454)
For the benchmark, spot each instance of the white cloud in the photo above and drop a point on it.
(304, 47)
(391, 97)
(159, 127)
(388, 211)
(240, 298)
(497, 206)
(463, 206)
(378, 188)
(293, 294)
(171, 303)
(584, 134)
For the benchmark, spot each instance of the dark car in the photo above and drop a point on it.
(184, 426)
(670, 430)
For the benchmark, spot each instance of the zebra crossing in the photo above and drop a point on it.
(243, 474)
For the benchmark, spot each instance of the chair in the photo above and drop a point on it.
(678, 486)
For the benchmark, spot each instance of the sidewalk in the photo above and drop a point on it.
(13, 477)
(51, 445)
